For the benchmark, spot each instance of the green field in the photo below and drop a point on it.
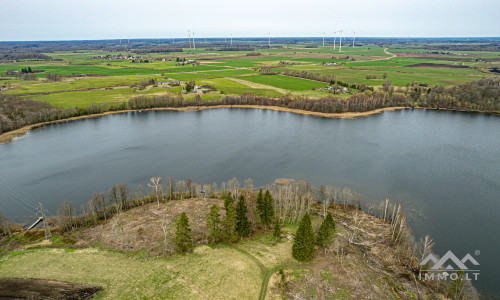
(285, 82)
(95, 80)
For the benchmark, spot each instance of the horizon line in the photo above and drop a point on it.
(258, 37)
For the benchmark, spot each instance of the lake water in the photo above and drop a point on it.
(443, 166)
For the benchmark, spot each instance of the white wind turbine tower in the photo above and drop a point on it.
(231, 39)
(323, 39)
(269, 41)
(194, 43)
(353, 38)
(340, 39)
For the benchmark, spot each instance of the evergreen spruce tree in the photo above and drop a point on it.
(242, 222)
(269, 208)
(229, 222)
(265, 208)
(214, 225)
(303, 245)
(260, 203)
(277, 229)
(326, 231)
(329, 220)
(183, 233)
(228, 200)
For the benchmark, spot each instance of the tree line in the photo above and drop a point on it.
(482, 96)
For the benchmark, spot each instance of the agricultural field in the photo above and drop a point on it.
(113, 76)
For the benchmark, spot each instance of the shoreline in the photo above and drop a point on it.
(9, 136)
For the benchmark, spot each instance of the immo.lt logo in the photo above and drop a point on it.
(450, 267)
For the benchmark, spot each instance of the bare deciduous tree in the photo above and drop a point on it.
(155, 184)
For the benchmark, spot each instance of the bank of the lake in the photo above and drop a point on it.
(442, 166)
(8, 136)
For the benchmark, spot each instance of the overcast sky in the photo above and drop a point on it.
(106, 19)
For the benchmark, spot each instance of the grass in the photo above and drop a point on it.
(218, 67)
(80, 83)
(284, 82)
(85, 98)
(213, 273)
(231, 87)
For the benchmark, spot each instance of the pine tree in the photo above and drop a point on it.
(183, 233)
(229, 222)
(303, 245)
(277, 229)
(242, 222)
(326, 231)
(214, 225)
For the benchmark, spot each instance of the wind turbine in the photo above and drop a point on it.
(269, 41)
(231, 39)
(340, 40)
(189, 39)
(194, 43)
(353, 38)
(323, 39)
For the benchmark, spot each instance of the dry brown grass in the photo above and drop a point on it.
(140, 228)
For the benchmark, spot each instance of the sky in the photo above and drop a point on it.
(31, 20)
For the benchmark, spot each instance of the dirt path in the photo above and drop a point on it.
(382, 58)
(265, 272)
(316, 269)
(257, 85)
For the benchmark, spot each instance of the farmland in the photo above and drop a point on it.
(111, 76)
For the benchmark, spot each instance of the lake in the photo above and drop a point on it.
(443, 166)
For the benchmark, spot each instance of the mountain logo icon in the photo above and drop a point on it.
(442, 263)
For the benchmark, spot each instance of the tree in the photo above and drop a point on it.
(123, 193)
(260, 202)
(456, 290)
(326, 231)
(213, 225)
(4, 225)
(229, 222)
(155, 184)
(183, 233)
(113, 197)
(277, 229)
(266, 210)
(67, 214)
(303, 245)
(242, 222)
(165, 225)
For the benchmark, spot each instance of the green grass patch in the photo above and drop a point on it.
(284, 82)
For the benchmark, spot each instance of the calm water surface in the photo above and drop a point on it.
(444, 166)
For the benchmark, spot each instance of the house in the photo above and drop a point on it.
(198, 89)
